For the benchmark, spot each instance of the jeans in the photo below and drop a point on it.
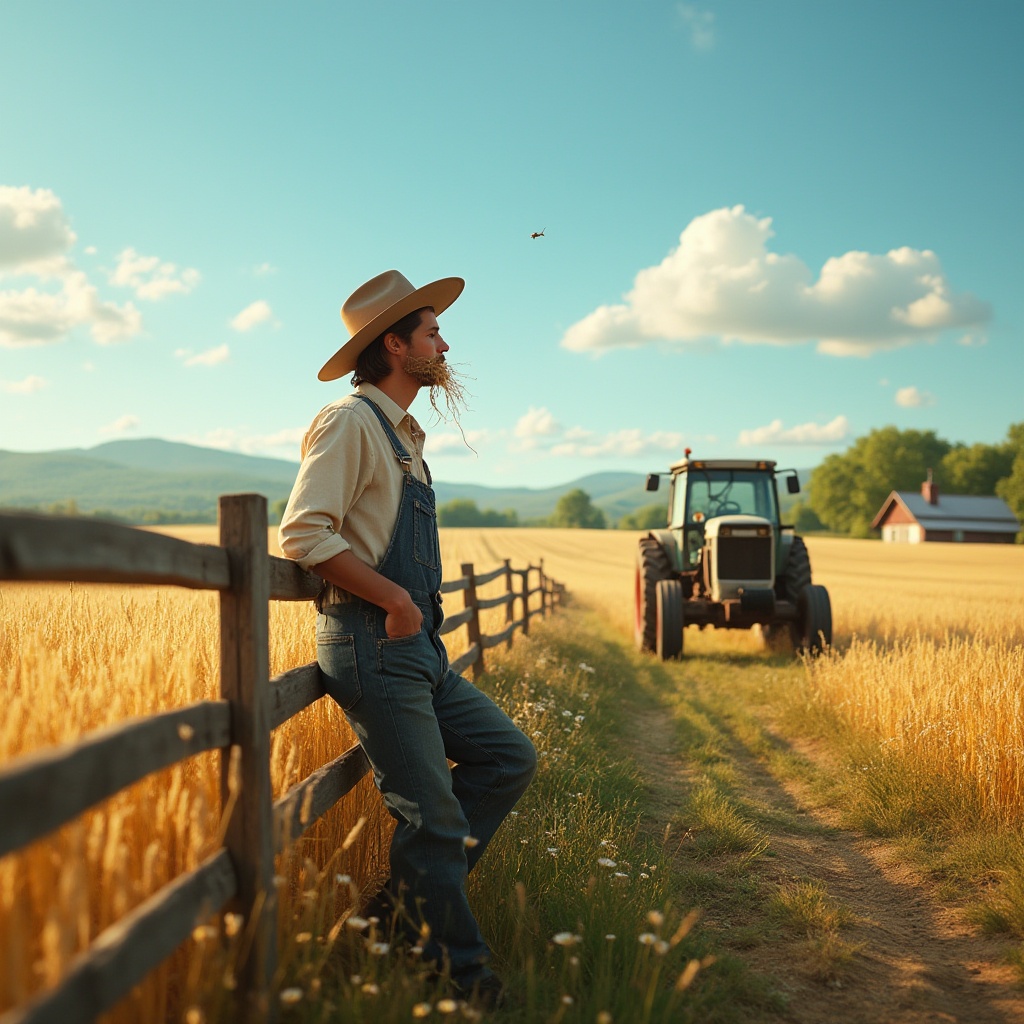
(412, 715)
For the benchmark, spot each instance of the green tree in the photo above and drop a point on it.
(575, 509)
(975, 470)
(1011, 487)
(464, 512)
(277, 510)
(847, 489)
(649, 517)
(802, 516)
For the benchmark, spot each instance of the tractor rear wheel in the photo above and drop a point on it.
(797, 573)
(815, 625)
(652, 565)
(669, 606)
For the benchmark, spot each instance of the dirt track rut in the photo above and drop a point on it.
(917, 959)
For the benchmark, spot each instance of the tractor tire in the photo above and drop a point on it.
(652, 565)
(669, 607)
(797, 573)
(815, 627)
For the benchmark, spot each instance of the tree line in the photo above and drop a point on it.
(847, 490)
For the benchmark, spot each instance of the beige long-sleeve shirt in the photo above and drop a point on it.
(349, 486)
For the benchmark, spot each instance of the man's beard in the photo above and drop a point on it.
(441, 379)
(437, 375)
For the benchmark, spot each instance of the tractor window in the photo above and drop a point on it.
(725, 492)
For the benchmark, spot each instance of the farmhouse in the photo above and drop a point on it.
(910, 518)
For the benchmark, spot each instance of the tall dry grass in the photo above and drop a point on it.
(928, 657)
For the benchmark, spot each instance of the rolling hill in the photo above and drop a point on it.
(144, 478)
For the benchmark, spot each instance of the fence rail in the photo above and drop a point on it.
(39, 792)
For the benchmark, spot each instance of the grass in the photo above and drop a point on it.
(913, 721)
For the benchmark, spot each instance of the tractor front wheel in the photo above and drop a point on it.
(669, 602)
(652, 565)
(815, 624)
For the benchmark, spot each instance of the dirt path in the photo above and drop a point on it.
(916, 960)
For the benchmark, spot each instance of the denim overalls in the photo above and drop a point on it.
(412, 714)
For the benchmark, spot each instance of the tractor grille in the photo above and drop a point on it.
(745, 558)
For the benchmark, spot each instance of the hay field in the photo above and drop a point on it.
(928, 661)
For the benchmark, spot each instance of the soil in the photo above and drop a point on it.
(916, 958)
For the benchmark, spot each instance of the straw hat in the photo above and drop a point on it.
(379, 303)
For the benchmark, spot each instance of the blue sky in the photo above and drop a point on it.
(769, 227)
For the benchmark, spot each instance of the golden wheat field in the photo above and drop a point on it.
(928, 657)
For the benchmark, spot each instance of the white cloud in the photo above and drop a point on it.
(263, 269)
(701, 25)
(211, 357)
(834, 432)
(282, 444)
(629, 442)
(722, 281)
(452, 443)
(34, 231)
(533, 427)
(913, 398)
(27, 386)
(256, 313)
(122, 425)
(150, 277)
(34, 317)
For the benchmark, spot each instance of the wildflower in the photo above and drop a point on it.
(661, 947)
(370, 989)
(565, 939)
(656, 917)
(610, 937)
(606, 862)
(567, 1000)
(580, 718)
(421, 1010)
(513, 814)
(357, 923)
(621, 874)
(643, 874)
(447, 1006)
(343, 879)
(416, 950)
(303, 937)
(470, 841)
(584, 667)
(378, 948)
(567, 714)
(290, 996)
(553, 850)
(647, 938)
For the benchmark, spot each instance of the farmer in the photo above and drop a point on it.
(361, 515)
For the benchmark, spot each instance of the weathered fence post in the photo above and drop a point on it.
(473, 626)
(524, 575)
(245, 787)
(509, 611)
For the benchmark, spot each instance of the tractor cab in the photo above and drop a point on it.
(726, 560)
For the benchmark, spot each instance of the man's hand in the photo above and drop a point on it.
(403, 619)
(347, 571)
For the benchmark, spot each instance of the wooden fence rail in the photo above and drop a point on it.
(39, 792)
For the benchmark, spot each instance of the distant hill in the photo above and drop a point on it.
(132, 478)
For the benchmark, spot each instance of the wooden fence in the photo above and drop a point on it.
(41, 791)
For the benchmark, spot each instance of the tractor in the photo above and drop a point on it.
(726, 560)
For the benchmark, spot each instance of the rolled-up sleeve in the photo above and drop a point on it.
(337, 464)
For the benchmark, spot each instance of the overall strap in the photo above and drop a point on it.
(399, 449)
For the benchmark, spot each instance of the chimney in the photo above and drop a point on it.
(930, 490)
